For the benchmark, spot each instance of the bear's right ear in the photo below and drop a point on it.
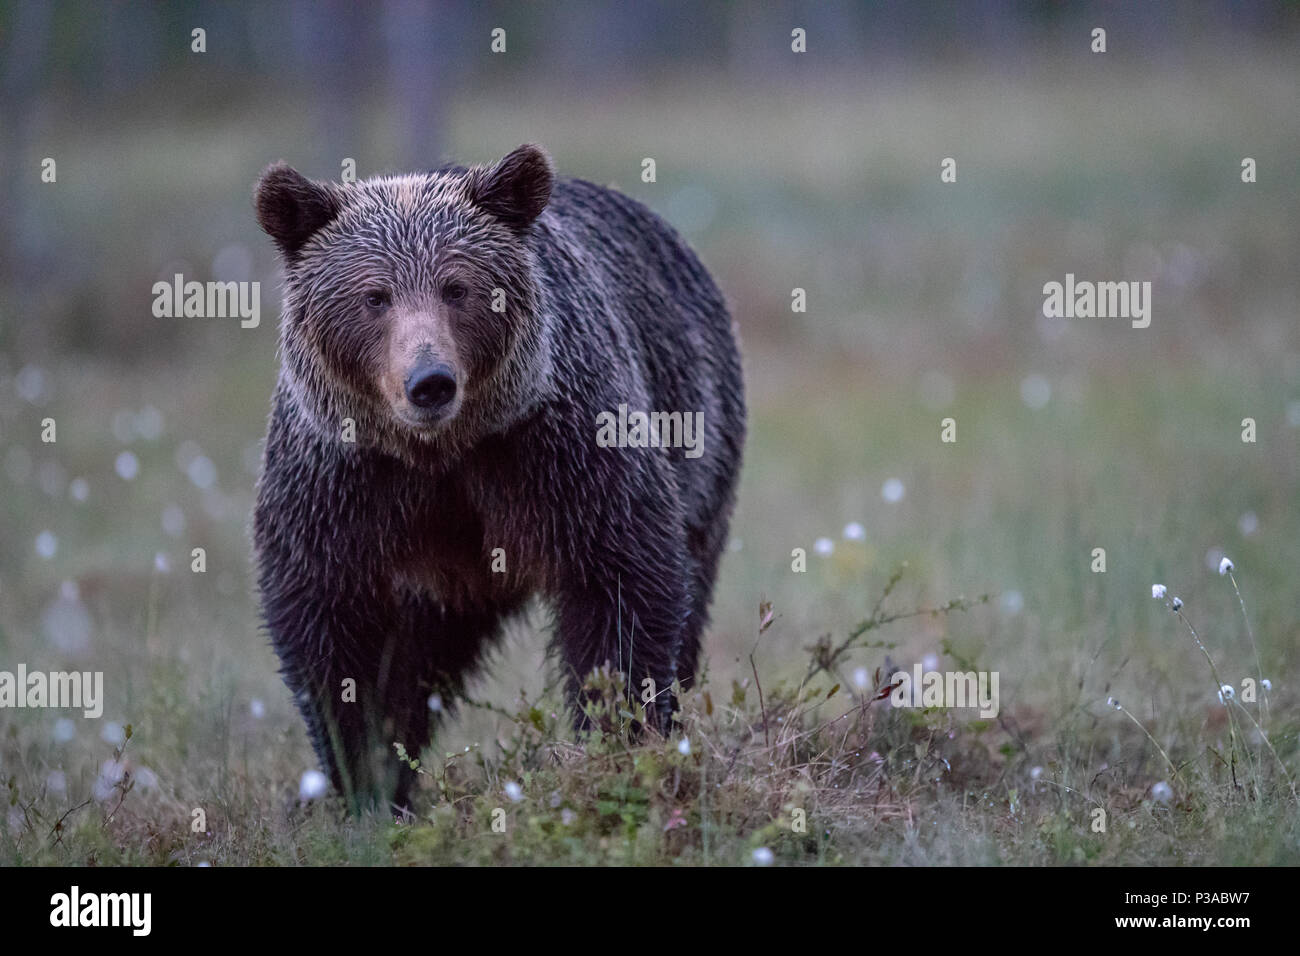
(291, 208)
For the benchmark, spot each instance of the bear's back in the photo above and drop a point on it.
(616, 273)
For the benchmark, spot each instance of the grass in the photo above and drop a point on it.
(815, 771)
(923, 305)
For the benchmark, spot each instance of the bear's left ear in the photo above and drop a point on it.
(291, 208)
(515, 190)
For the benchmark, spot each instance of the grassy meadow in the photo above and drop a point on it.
(924, 303)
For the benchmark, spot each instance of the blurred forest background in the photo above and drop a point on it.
(816, 170)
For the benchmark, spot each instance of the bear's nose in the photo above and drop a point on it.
(431, 386)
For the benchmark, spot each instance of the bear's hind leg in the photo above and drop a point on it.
(705, 551)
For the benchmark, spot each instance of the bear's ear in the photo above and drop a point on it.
(515, 190)
(291, 208)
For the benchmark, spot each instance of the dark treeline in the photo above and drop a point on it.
(106, 48)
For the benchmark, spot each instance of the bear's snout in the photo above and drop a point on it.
(430, 386)
(422, 378)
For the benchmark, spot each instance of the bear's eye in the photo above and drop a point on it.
(454, 292)
(376, 299)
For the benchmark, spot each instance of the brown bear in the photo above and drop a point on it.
(494, 384)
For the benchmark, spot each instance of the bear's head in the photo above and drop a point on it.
(411, 305)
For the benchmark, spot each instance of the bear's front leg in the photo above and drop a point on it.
(359, 689)
(343, 634)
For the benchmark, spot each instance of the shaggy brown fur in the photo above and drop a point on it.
(375, 557)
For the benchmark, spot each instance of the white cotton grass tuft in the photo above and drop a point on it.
(1225, 691)
(256, 708)
(66, 622)
(763, 856)
(853, 531)
(31, 384)
(824, 547)
(1226, 568)
(435, 703)
(312, 786)
(514, 792)
(56, 782)
(1035, 391)
(173, 520)
(1161, 792)
(127, 466)
(65, 730)
(47, 545)
(1266, 683)
(148, 423)
(1158, 591)
(684, 746)
(893, 491)
(113, 733)
(1035, 773)
(52, 478)
(861, 678)
(111, 773)
(202, 472)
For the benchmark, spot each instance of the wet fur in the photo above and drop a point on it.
(374, 558)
